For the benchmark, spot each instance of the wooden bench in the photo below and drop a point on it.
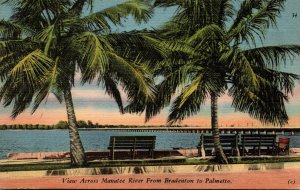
(132, 143)
(257, 143)
(229, 143)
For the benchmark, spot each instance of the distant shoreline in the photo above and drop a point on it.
(162, 128)
(89, 125)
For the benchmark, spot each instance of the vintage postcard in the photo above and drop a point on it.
(150, 94)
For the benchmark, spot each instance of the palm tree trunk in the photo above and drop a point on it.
(76, 149)
(220, 155)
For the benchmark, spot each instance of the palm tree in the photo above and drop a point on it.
(46, 42)
(224, 59)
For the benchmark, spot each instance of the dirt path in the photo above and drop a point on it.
(273, 179)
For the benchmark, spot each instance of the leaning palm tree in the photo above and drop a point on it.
(47, 42)
(225, 59)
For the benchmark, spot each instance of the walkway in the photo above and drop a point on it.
(254, 176)
(273, 179)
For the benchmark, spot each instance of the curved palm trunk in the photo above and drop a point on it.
(76, 149)
(220, 155)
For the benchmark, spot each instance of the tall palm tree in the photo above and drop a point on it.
(46, 42)
(224, 59)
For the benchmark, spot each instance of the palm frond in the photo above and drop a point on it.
(283, 81)
(112, 90)
(9, 30)
(11, 52)
(186, 106)
(42, 12)
(189, 102)
(225, 12)
(94, 53)
(207, 34)
(246, 10)
(256, 25)
(47, 36)
(48, 85)
(137, 42)
(31, 67)
(266, 105)
(196, 12)
(16, 93)
(190, 89)
(77, 7)
(272, 55)
(172, 77)
(240, 67)
(134, 77)
(21, 101)
(167, 3)
(8, 47)
(99, 20)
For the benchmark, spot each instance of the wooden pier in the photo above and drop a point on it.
(278, 131)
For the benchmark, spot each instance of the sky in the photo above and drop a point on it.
(91, 102)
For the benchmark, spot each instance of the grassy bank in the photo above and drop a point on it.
(58, 166)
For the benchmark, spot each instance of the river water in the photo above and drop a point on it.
(58, 140)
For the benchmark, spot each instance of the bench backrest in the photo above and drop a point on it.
(226, 140)
(258, 140)
(132, 142)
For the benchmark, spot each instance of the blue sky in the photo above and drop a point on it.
(92, 103)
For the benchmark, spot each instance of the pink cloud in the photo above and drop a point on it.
(296, 94)
(110, 118)
(225, 99)
(93, 94)
(88, 95)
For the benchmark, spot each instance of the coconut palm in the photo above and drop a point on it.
(225, 59)
(47, 42)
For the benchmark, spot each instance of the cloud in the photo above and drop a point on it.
(87, 95)
(296, 94)
(92, 103)
(225, 99)
(115, 118)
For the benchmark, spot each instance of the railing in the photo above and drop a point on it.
(278, 131)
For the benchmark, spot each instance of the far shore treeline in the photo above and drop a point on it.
(81, 124)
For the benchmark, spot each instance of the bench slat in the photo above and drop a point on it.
(258, 141)
(132, 143)
(239, 142)
(228, 142)
(130, 147)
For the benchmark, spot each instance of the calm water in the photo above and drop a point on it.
(58, 140)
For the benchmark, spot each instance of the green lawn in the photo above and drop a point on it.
(57, 166)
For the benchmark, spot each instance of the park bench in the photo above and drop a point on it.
(132, 143)
(229, 143)
(258, 143)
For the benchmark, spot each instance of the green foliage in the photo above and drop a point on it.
(225, 59)
(44, 43)
(101, 19)
(81, 124)
(61, 125)
(63, 42)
